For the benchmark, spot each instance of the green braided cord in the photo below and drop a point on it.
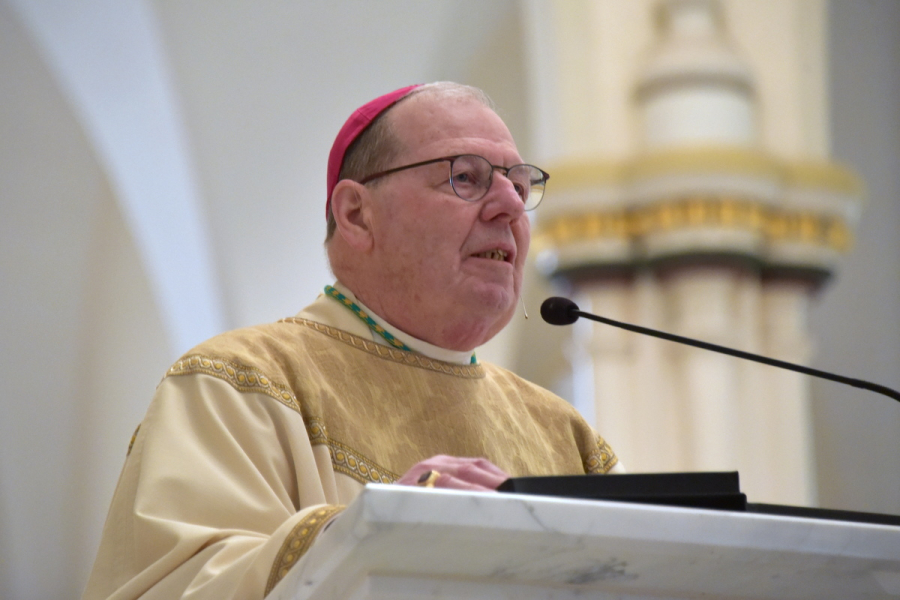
(373, 325)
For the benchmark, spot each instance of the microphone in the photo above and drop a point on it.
(562, 311)
(559, 311)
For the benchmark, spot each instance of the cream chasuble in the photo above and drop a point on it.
(256, 438)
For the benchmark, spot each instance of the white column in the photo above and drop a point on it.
(611, 352)
(691, 123)
(788, 445)
(661, 434)
(701, 301)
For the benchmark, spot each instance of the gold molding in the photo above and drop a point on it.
(773, 224)
(587, 173)
(823, 175)
(705, 160)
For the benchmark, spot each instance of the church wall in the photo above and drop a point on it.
(50, 192)
(856, 322)
(263, 87)
(124, 352)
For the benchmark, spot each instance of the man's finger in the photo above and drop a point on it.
(477, 472)
(449, 482)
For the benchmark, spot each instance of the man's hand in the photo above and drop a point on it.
(475, 474)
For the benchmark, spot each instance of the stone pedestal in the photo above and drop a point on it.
(402, 543)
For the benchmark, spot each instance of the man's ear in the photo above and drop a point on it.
(351, 207)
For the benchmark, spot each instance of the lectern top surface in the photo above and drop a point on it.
(578, 548)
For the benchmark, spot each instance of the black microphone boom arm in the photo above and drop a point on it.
(562, 311)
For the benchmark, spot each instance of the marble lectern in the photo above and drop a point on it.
(403, 543)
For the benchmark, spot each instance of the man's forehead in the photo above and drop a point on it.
(426, 119)
(429, 107)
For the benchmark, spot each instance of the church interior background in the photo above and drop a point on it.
(728, 169)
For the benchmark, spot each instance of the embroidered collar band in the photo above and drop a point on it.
(393, 337)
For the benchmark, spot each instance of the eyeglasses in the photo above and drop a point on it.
(471, 177)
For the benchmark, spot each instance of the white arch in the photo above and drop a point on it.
(110, 63)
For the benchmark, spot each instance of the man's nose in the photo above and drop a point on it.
(502, 201)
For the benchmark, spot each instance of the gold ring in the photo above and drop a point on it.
(428, 478)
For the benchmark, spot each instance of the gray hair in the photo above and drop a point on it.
(374, 149)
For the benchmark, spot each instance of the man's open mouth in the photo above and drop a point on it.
(495, 254)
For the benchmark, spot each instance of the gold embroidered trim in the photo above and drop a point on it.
(601, 460)
(344, 459)
(406, 358)
(348, 461)
(131, 443)
(245, 379)
(298, 542)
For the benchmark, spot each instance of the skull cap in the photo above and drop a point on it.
(361, 118)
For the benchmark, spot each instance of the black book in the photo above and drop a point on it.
(717, 490)
(710, 490)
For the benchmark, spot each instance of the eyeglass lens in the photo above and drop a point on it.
(471, 177)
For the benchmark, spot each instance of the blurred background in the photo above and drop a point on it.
(162, 177)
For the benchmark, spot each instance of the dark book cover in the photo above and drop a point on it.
(709, 490)
(718, 490)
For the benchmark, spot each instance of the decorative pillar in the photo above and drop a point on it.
(704, 231)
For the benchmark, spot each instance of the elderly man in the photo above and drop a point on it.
(257, 438)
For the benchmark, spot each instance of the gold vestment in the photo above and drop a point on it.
(257, 437)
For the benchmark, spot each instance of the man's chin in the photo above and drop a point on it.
(482, 317)
(495, 297)
(499, 307)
